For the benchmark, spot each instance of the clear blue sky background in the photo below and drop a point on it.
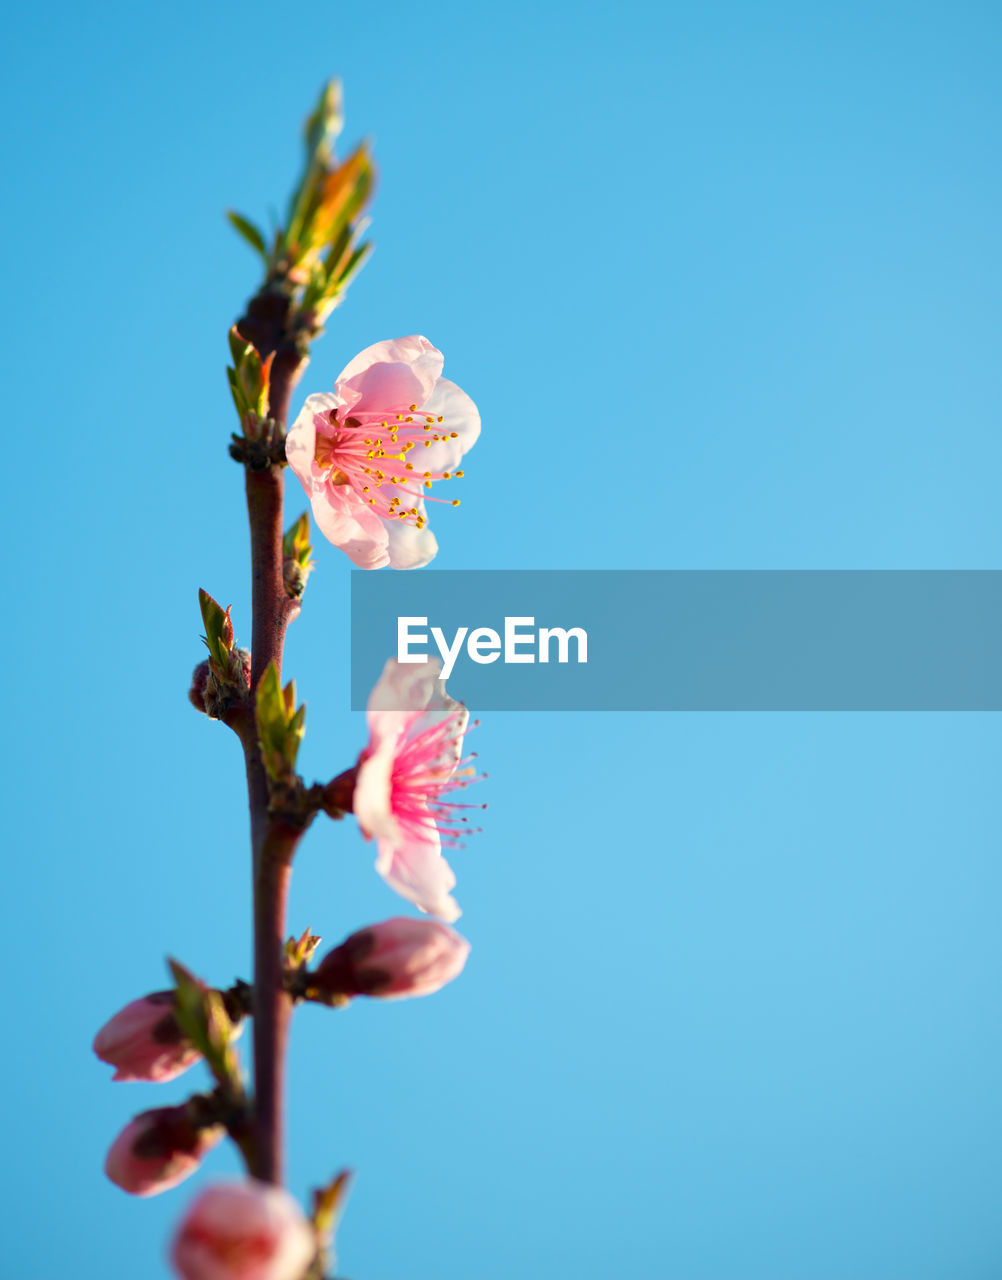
(724, 279)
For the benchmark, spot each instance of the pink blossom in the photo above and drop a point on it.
(159, 1149)
(243, 1231)
(144, 1042)
(415, 754)
(398, 958)
(368, 452)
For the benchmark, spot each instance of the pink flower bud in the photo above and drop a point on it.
(398, 958)
(144, 1042)
(159, 1149)
(199, 686)
(214, 691)
(244, 1231)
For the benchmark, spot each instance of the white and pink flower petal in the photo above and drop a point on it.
(373, 790)
(301, 442)
(390, 376)
(455, 430)
(417, 871)
(351, 525)
(410, 687)
(409, 547)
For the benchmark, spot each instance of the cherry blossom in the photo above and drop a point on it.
(414, 756)
(368, 453)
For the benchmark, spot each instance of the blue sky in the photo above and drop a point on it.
(724, 281)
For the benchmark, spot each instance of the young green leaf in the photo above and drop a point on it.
(280, 726)
(218, 625)
(248, 231)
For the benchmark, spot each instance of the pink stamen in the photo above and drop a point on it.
(424, 769)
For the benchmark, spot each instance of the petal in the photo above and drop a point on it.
(417, 871)
(409, 547)
(371, 800)
(351, 524)
(403, 692)
(459, 414)
(450, 745)
(391, 376)
(301, 442)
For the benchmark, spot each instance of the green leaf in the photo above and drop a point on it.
(299, 951)
(322, 126)
(361, 186)
(239, 346)
(339, 250)
(296, 543)
(280, 726)
(219, 1028)
(249, 231)
(189, 1005)
(354, 265)
(296, 551)
(201, 1014)
(218, 629)
(236, 392)
(328, 1206)
(250, 377)
(326, 120)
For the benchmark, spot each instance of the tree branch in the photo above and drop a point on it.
(267, 325)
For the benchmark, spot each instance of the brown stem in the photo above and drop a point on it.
(272, 842)
(269, 603)
(273, 1005)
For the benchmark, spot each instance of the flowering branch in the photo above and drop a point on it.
(272, 845)
(367, 455)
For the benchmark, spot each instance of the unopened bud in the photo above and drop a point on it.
(293, 578)
(159, 1149)
(240, 668)
(214, 694)
(392, 960)
(199, 686)
(244, 1231)
(144, 1042)
(339, 793)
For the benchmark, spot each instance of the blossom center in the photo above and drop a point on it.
(371, 454)
(426, 767)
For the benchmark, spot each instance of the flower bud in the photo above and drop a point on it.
(243, 1231)
(144, 1042)
(159, 1149)
(398, 958)
(199, 686)
(293, 578)
(213, 691)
